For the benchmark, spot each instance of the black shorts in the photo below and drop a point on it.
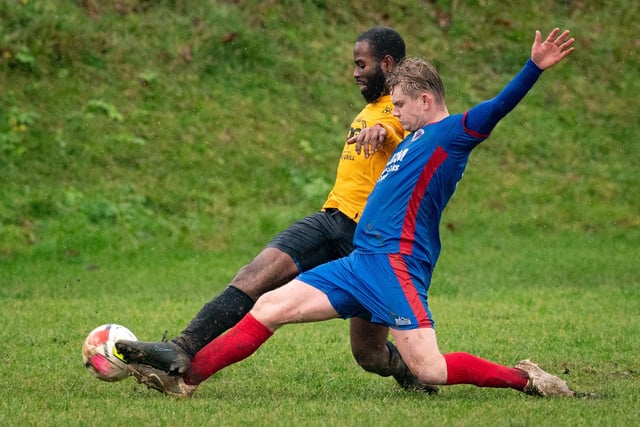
(316, 239)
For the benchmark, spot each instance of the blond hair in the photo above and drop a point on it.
(415, 76)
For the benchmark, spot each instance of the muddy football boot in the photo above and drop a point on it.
(163, 355)
(542, 383)
(156, 379)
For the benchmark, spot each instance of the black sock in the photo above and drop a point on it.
(221, 313)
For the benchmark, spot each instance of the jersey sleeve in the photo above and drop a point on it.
(482, 118)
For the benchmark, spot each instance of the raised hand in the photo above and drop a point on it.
(553, 49)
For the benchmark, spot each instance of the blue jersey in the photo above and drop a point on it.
(403, 212)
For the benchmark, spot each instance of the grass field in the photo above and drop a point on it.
(555, 299)
(150, 149)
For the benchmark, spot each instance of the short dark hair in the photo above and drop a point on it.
(384, 41)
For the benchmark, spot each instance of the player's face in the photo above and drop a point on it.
(408, 110)
(367, 73)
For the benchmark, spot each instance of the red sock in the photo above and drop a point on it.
(465, 368)
(238, 343)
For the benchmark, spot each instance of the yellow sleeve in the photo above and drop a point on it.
(395, 132)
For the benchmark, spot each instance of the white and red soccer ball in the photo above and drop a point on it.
(100, 355)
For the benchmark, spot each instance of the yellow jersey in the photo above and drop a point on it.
(356, 175)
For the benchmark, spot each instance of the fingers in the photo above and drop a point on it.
(552, 35)
(556, 46)
(558, 40)
(370, 147)
(563, 42)
(538, 38)
(554, 38)
(369, 140)
(561, 39)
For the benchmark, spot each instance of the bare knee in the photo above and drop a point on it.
(295, 302)
(269, 270)
(266, 311)
(245, 280)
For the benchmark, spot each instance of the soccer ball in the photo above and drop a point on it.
(100, 355)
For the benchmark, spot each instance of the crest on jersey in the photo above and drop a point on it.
(417, 134)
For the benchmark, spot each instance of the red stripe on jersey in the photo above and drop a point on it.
(401, 271)
(409, 225)
(473, 133)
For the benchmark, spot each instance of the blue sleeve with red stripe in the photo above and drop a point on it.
(481, 119)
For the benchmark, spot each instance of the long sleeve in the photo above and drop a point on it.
(482, 118)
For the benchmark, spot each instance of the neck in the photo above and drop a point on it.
(441, 115)
(438, 115)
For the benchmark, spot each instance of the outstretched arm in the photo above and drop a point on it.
(545, 54)
(482, 118)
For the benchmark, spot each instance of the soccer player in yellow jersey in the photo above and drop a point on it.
(357, 173)
(314, 240)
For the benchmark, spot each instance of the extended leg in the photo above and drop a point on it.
(268, 270)
(295, 302)
(420, 350)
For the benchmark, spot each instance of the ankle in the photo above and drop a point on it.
(184, 344)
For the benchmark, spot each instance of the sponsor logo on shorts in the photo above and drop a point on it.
(401, 321)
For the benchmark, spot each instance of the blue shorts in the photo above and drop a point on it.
(388, 289)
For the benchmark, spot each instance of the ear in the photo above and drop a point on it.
(427, 100)
(387, 64)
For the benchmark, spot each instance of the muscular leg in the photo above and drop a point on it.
(295, 302)
(307, 243)
(269, 270)
(314, 240)
(419, 349)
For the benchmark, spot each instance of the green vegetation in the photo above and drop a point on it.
(149, 149)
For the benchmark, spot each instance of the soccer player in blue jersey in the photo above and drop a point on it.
(397, 243)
